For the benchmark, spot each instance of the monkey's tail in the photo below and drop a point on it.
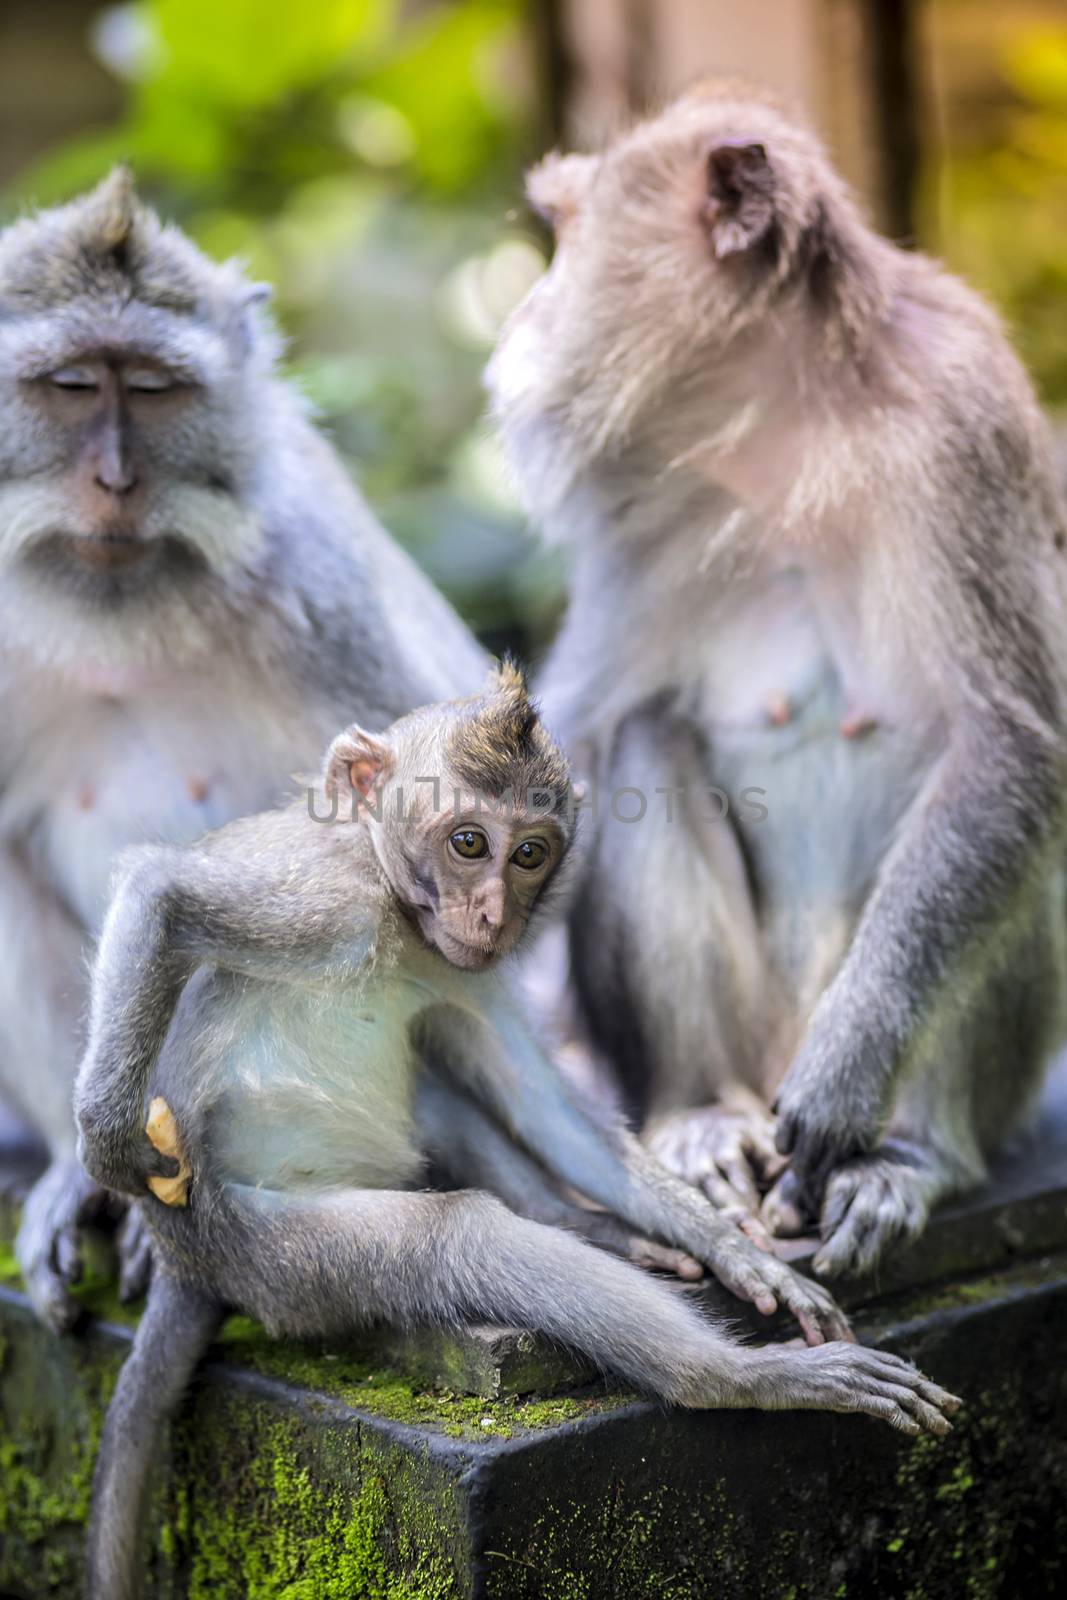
(178, 1324)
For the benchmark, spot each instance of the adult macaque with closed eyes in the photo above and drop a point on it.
(817, 550)
(299, 1009)
(192, 597)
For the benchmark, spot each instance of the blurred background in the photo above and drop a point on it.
(366, 157)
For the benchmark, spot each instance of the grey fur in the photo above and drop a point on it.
(280, 989)
(807, 491)
(150, 703)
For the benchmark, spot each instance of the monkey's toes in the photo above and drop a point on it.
(781, 1211)
(901, 1395)
(133, 1243)
(870, 1205)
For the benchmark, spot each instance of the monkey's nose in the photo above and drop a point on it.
(115, 477)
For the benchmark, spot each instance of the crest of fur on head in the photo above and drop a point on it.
(500, 743)
(494, 743)
(107, 246)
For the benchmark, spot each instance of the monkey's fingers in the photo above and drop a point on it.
(852, 1378)
(820, 1317)
(133, 1242)
(48, 1240)
(765, 1159)
(735, 1168)
(653, 1257)
(67, 1254)
(726, 1201)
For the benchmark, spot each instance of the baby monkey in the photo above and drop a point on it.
(303, 1010)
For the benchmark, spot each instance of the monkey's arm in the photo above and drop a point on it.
(137, 982)
(987, 823)
(497, 1055)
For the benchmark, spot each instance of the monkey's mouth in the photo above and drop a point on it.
(114, 567)
(110, 552)
(471, 957)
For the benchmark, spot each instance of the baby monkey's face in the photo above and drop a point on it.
(476, 877)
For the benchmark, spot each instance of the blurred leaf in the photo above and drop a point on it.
(248, 52)
(1037, 67)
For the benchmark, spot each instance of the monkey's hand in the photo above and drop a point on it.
(121, 1158)
(828, 1113)
(753, 1275)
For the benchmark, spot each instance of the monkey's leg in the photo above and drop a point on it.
(678, 1011)
(313, 1266)
(42, 996)
(178, 1324)
(471, 1148)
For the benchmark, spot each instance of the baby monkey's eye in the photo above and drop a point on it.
(532, 853)
(470, 844)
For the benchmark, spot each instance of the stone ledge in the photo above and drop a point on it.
(270, 1488)
(297, 1474)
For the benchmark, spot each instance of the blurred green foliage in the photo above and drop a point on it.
(365, 157)
(1001, 195)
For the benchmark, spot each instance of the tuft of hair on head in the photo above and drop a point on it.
(500, 745)
(110, 212)
(107, 247)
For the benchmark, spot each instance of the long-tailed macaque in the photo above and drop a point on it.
(817, 566)
(192, 598)
(264, 1004)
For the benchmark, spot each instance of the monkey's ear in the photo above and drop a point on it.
(356, 760)
(739, 209)
(558, 184)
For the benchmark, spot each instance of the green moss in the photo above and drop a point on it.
(49, 1434)
(963, 1294)
(393, 1395)
(307, 1518)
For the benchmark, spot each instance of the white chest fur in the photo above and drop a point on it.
(83, 775)
(309, 1088)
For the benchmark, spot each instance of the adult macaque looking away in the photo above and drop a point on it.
(816, 547)
(301, 1012)
(192, 597)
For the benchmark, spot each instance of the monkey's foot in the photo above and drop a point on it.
(725, 1149)
(49, 1241)
(848, 1377)
(871, 1203)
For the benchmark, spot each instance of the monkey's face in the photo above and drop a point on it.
(673, 249)
(467, 806)
(471, 879)
(113, 477)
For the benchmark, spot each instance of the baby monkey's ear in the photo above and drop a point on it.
(356, 760)
(739, 208)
